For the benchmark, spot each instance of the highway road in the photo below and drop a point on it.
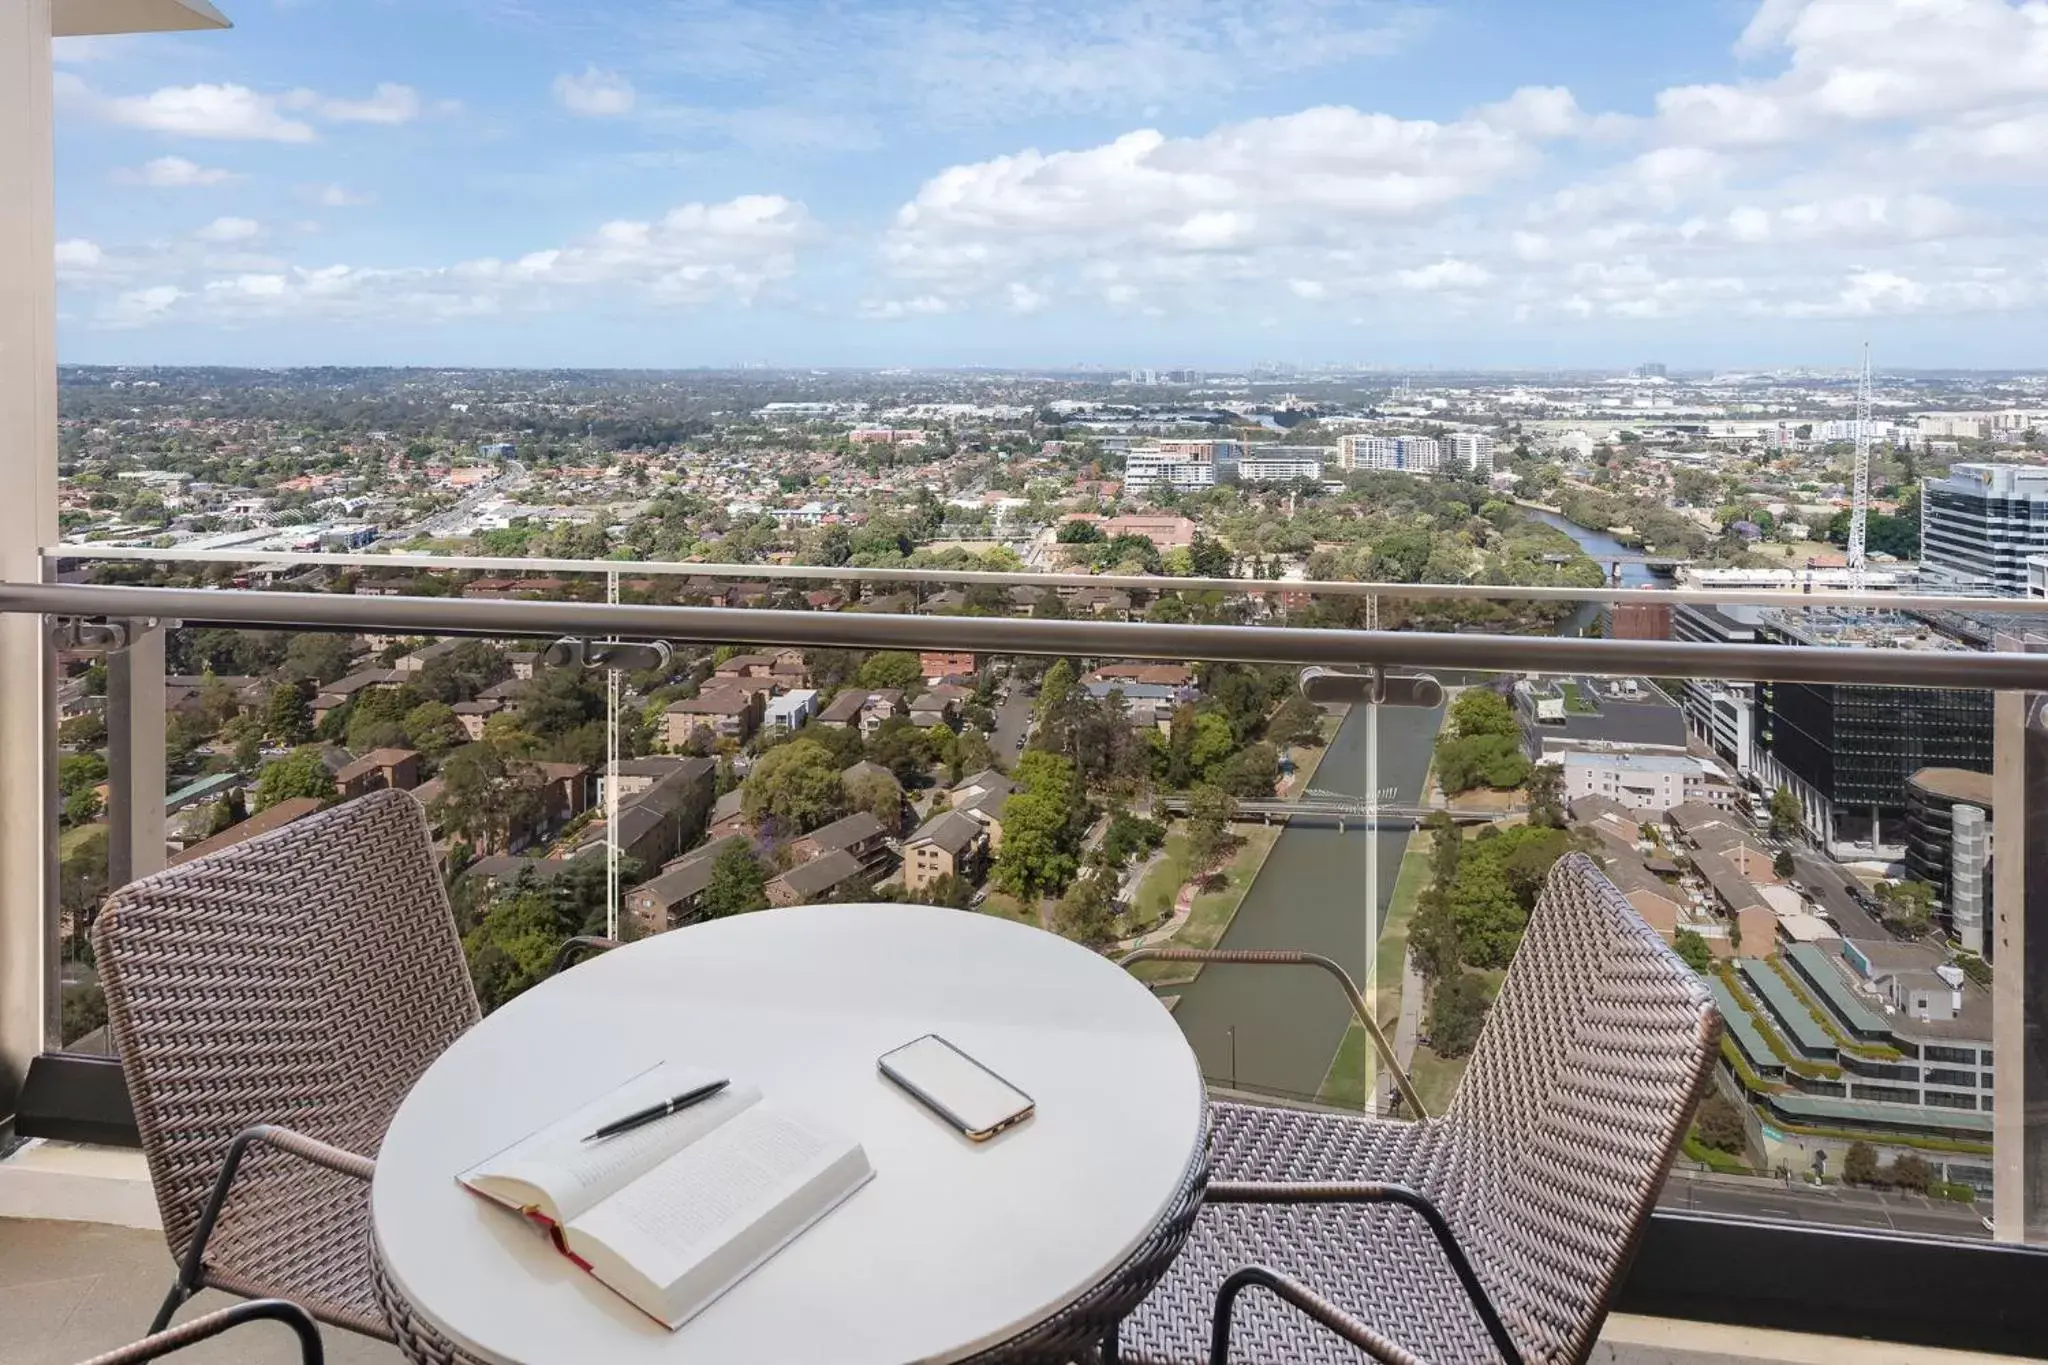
(1914, 1214)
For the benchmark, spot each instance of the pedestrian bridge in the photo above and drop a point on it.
(1344, 812)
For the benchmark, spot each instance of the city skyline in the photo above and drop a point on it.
(1461, 186)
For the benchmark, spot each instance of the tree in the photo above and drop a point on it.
(1210, 813)
(82, 807)
(85, 731)
(1480, 745)
(1087, 912)
(797, 786)
(1478, 711)
(486, 795)
(1297, 721)
(433, 728)
(891, 668)
(1546, 795)
(319, 657)
(1457, 1010)
(1859, 1166)
(1039, 839)
(1693, 950)
(1080, 533)
(903, 749)
(1782, 865)
(299, 773)
(1251, 772)
(76, 772)
(1909, 1171)
(288, 714)
(1055, 690)
(949, 890)
(1786, 817)
(1208, 558)
(881, 796)
(1906, 907)
(1719, 1125)
(738, 883)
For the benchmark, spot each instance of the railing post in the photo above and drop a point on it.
(28, 521)
(135, 755)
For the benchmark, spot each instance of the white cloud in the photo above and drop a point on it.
(226, 231)
(594, 93)
(231, 112)
(696, 254)
(1025, 299)
(334, 196)
(390, 103)
(139, 307)
(236, 112)
(1447, 274)
(887, 310)
(77, 257)
(173, 172)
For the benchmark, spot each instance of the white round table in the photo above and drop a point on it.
(953, 1247)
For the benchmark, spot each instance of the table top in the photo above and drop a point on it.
(953, 1246)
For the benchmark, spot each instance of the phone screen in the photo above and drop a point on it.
(956, 1085)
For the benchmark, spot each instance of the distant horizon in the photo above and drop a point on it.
(1477, 185)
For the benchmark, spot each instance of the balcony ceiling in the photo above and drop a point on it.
(75, 18)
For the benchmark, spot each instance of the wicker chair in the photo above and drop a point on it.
(272, 1004)
(160, 1344)
(1497, 1232)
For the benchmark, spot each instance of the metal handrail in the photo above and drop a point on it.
(1011, 636)
(1254, 587)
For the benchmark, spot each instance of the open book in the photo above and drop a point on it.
(674, 1213)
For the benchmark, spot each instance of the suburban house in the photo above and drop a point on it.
(661, 818)
(862, 707)
(786, 714)
(398, 769)
(859, 834)
(1756, 923)
(473, 714)
(262, 822)
(342, 691)
(1657, 902)
(947, 845)
(677, 894)
(983, 796)
(811, 881)
(940, 666)
(726, 712)
(1157, 675)
(416, 662)
(938, 706)
(523, 662)
(728, 815)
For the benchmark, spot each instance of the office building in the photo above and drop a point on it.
(1846, 752)
(1580, 715)
(1979, 525)
(1264, 468)
(1721, 713)
(1149, 469)
(1947, 842)
(1472, 452)
(2037, 575)
(1393, 454)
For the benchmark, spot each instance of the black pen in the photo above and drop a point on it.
(658, 1111)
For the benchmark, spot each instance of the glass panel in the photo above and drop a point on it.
(1820, 853)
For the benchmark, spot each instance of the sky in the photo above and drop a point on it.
(1473, 183)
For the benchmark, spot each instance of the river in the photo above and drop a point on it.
(1276, 1028)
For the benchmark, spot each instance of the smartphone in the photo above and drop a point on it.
(957, 1088)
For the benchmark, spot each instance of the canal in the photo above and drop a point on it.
(1277, 1028)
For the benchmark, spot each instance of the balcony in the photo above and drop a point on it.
(1829, 1048)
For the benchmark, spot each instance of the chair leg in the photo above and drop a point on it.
(172, 1302)
(1109, 1346)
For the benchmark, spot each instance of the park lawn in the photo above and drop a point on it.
(1436, 1078)
(70, 839)
(1153, 900)
(1344, 1083)
(1212, 911)
(1003, 905)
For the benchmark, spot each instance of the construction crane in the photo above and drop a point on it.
(1859, 503)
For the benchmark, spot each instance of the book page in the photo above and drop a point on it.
(562, 1175)
(702, 1219)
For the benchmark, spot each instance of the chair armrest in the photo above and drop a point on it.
(213, 1324)
(1277, 957)
(566, 955)
(306, 1148)
(1378, 1192)
(1309, 1302)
